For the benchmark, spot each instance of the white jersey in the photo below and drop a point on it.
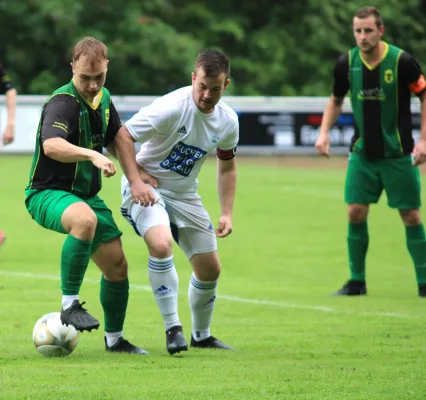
(177, 136)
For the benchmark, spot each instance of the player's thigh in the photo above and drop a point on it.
(193, 240)
(144, 218)
(363, 184)
(401, 181)
(46, 207)
(106, 228)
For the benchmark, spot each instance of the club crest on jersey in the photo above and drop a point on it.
(182, 158)
(388, 76)
(215, 139)
(107, 116)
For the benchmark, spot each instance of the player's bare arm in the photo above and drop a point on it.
(60, 150)
(226, 185)
(124, 147)
(9, 132)
(331, 113)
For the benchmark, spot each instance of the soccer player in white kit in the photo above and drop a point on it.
(177, 132)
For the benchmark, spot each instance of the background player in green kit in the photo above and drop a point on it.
(380, 79)
(8, 135)
(77, 121)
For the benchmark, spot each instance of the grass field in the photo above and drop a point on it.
(294, 341)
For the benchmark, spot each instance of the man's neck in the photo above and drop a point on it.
(374, 57)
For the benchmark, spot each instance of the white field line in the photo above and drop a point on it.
(280, 304)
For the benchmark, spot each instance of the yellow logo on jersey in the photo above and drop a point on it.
(107, 116)
(388, 76)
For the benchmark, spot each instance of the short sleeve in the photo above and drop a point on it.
(114, 124)
(410, 74)
(60, 117)
(341, 76)
(227, 148)
(148, 122)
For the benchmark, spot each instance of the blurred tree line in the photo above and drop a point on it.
(276, 48)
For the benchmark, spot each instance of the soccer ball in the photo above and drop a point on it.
(53, 339)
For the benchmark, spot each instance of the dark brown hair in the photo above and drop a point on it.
(91, 48)
(367, 11)
(213, 63)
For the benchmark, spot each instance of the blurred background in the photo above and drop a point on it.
(276, 48)
(282, 58)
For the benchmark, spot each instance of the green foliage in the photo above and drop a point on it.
(277, 49)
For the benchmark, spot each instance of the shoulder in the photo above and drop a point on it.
(173, 104)
(344, 59)
(63, 102)
(405, 58)
(227, 111)
(174, 99)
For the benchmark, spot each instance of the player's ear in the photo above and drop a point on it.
(193, 77)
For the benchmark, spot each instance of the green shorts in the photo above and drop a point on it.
(47, 206)
(365, 181)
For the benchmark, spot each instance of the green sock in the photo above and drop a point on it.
(416, 244)
(357, 250)
(114, 297)
(74, 261)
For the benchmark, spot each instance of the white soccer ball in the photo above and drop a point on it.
(53, 339)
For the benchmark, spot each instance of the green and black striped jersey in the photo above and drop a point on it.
(381, 100)
(68, 116)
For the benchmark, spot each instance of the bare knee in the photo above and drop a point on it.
(206, 266)
(117, 269)
(411, 217)
(357, 213)
(80, 221)
(159, 241)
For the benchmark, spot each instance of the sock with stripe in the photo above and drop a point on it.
(201, 297)
(165, 286)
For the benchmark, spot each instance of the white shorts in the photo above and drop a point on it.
(183, 212)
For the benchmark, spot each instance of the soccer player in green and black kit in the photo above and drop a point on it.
(8, 135)
(380, 79)
(77, 121)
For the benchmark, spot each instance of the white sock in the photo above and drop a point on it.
(112, 337)
(67, 300)
(165, 286)
(201, 297)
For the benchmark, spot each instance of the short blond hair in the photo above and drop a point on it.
(90, 48)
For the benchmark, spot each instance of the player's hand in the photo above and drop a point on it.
(322, 145)
(142, 194)
(9, 134)
(104, 164)
(419, 152)
(224, 227)
(147, 178)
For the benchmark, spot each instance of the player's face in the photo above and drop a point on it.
(207, 90)
(367, 34)
(89, 76)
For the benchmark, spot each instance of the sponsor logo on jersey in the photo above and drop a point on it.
(182, 130)
(182, 158)
(371, 94)
(215, 139)
(388, 76)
